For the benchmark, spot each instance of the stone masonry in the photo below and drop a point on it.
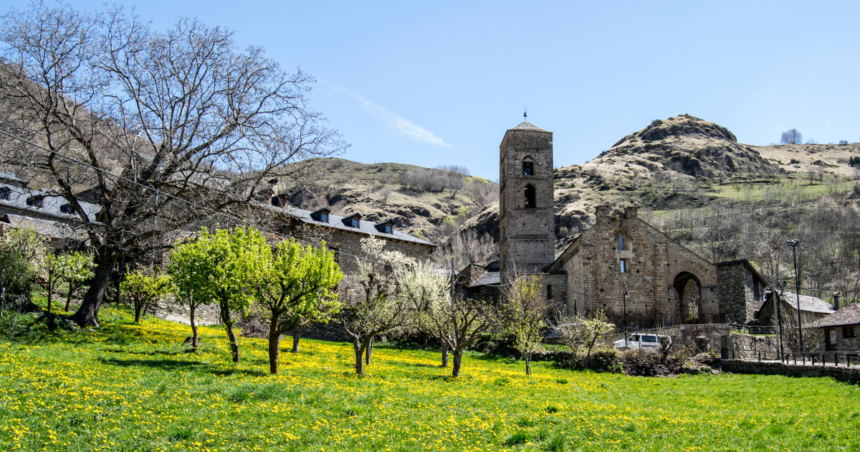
(660, 275)
(527, 215)
(740, 290)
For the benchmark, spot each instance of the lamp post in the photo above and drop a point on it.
(793, 244)
(626, 294)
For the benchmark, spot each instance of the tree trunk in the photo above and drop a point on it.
(528, 367)
(274, 343)
(88, 312)
(194, 337)
(359, 364)
(137, 308)
(368, 350)
(69, 296)
(49, 298)
(458, 361)
(297, 336)
(234, 343)
(444, 355)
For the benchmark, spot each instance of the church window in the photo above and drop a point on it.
(530, 197)
(625, 266)
(620, 242)
(528, 167)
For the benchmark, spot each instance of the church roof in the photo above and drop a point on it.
(525, 125)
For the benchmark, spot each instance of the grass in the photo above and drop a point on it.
(127, 387)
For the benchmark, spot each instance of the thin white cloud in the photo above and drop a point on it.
(397, 123)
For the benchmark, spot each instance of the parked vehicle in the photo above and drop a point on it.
(646, 342)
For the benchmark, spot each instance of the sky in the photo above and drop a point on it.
(438, 83)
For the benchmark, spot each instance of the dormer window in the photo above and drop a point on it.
(528, 167)
(353, 220)
(67, 209)
(36, 201)
(321, 215)
(4, 193)
(276, 201)
(385, 226)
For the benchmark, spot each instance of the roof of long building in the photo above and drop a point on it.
(807, 303)
(336, 222)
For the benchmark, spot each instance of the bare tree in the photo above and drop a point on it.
(181, 114)
(792, 136)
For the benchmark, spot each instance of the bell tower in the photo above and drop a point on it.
(526, 213)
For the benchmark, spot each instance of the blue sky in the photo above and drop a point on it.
(438, 83)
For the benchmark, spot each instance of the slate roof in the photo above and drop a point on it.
(336, 222)
(51, 203)
(53, 229)
(746, 264)
(849, 315)
(808, 303)
(487, 278)
(525, 125)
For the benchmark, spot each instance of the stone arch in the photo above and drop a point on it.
(530, 196)
(688, 289)
(528, 166)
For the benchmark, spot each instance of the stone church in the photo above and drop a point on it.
(621, 265)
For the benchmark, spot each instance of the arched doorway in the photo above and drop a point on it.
(688, 289)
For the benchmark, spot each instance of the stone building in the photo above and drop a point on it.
(812, 309)
(621, 265)
(343, 234)
(622, 257)
(740, 289)
(842, 330)
(480, 282)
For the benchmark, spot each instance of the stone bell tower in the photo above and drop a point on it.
(526, 213)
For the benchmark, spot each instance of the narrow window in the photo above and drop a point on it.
(530, 197)
(549, 291)
(324, 217)
(620, 242)
(625, 266)
(388, 229)
(528, 167)
(354, 223)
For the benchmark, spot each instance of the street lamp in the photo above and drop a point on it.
(793, 244)
(626, 294)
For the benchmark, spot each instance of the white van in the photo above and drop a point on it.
(646, 342)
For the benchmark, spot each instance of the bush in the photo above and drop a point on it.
(843, 142)
(794, 161)
(854, 161)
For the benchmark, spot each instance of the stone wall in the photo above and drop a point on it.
(746, 347)
(204, 315)
(737, 289)
(839, 343)
(687, 335)
(526, 235)
(592, 264)
(845, 374)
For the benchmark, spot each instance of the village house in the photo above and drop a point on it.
(841, 330)
(812, 309)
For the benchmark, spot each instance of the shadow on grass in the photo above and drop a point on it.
(153, 353)
(174, 364)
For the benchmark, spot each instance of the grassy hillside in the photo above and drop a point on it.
(131, 387)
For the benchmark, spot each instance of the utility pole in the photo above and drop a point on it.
(793, 244)
(777, 299)
(626, 294)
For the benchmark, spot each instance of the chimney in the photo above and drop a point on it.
(631, 212)
(836, 296)
(602, 212)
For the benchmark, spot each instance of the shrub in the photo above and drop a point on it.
(843, 142)
(794, 161)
